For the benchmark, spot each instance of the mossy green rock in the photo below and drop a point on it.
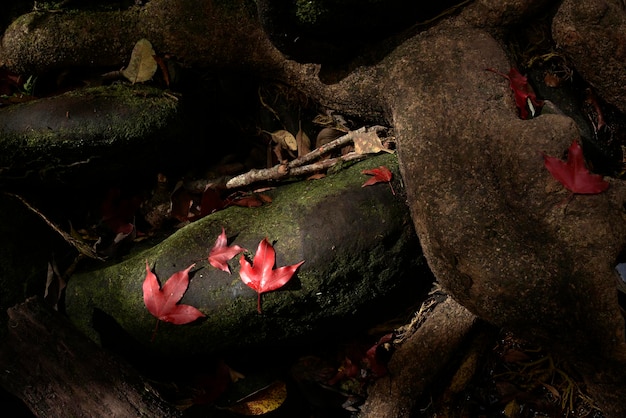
(361, 257)
(86, 133)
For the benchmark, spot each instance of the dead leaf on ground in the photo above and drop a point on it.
(302, 142)
(369, 143)
(285, 139)
(55, 283)
(142, 65)
(262, 401)
(327, 135)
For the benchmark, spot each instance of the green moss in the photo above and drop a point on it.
(308, 11)
(329, 285)
(80, 122)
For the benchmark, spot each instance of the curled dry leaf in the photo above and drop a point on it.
(327, 135)
(303, 143)
(285, 139)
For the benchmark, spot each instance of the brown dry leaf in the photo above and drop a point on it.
(369, 143)
(552, 80)
(316, 176)
(55, 283)
(142, 65)
(303, 143)
(265, 198)
(327, 135)
(262, 401)
(285, 139)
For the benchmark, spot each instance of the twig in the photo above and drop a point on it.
(293, 168)
(80, 246)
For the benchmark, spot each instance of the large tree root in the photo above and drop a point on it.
(57, 372)
(419, 361)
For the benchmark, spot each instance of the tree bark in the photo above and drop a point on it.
(58, 372)
(419, 361)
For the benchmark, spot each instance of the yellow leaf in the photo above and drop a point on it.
(142, 65)
(262, 401)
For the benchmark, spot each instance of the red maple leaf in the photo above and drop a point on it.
(379, 175)
(525, 97)
(261, 275)
(573, 174)
(221, 252)
(163, 302)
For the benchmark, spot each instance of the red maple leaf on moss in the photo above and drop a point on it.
(222, 252)
(261, 274)
(573, 173)
(163, 302)
(379, 175)
(525, 97)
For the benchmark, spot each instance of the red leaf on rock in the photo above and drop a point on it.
(261, 275)
(221, 252)
(573, 174)
(163, 303)
(524, 95)
(379, 175)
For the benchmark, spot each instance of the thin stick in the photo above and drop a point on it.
(289, 169)
(80, 246)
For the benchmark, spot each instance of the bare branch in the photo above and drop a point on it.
(297, 167)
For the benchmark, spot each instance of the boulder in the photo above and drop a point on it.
(592, 34)
(361, 259)
(502, 235)
(87, 134)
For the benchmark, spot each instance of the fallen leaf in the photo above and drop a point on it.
(525, 98)
(369, 143)
(376, 361)
(262, 401)
(55, 283)
(222, 252)
(285, 139)
(327, 135)
(379, 175)
(211, 201)
(250, 201)
(210, 386)
(592, 100)
(164, 70)
(261, 275)
(163, 302)
(573, 174)
(118, 211)
(142, 65)
(303, 143)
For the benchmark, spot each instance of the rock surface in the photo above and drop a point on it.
(593, 36)
(87, 133)
(361, 256)
(493, 222)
